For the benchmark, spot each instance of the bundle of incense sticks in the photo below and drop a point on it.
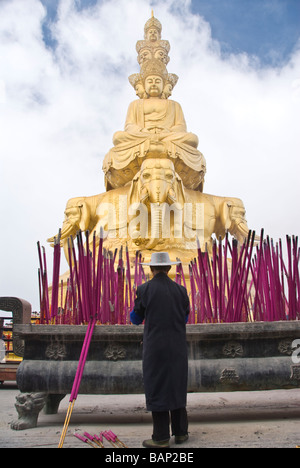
(100, 284)
(86, 440)
(245, 283)
(255, 281)
(78, 377)
(96, 441)
(113, 439)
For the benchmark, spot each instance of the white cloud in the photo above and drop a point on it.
(59, 110)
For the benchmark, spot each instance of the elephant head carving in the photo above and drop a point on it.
(156, 186)
(218, 215)
(156, 183)
(80, 214)
(174, 216)
(232, 219)
(77, 217)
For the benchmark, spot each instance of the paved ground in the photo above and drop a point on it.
(240, 419)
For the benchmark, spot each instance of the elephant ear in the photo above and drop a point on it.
(177, 193)
(135, 193)
(225, 214)
(85, 215)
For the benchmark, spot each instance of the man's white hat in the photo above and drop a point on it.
(160, 259)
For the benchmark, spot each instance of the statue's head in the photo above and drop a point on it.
(136, 81)
(169, 85)
(152, 30)
(154, 86)
(161, 52)
(154, 76)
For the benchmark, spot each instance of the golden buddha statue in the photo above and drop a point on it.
(154, 174)
(155, 127)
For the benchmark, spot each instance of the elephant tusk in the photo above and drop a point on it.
(243, 229)
(151, 244)
(65, 232)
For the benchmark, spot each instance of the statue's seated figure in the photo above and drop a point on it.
(154, 127)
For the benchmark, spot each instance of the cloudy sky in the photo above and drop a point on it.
(64, 91)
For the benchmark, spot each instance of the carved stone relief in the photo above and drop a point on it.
(233, 349)
(56, 351)
(286, 347)
(229, 375)
(115, 352)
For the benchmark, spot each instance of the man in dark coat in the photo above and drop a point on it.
(164, 305)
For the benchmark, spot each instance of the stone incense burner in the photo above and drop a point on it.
(222, 357)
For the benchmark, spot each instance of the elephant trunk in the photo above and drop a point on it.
(158, 191)
(157, 217)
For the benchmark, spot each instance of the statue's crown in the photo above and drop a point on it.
(154, 67)
(152, 23)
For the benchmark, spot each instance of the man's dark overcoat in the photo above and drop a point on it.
(164, 305)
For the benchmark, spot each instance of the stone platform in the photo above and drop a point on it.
(264, 419)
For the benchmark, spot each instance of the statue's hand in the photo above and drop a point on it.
(163, 130)
(149, 130)
(156, 129)
(154, 137)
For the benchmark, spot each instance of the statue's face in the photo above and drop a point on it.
(144, 54)
(152, 35)
(168, 90)
(139, 90)
(161, 55)
(154, 85)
